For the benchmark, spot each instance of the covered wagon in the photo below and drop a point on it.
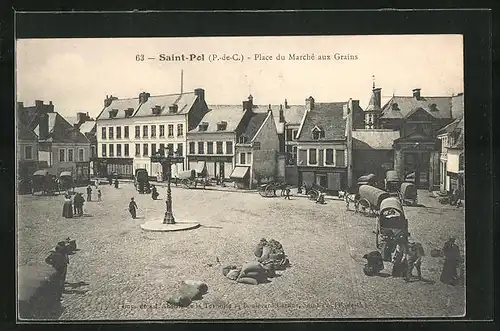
(189, 179)
(66, 182)
(371, 197)
(408, 194)
(392, 182)
(392, 225)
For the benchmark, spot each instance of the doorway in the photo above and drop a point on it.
(416, 168)
(322, 180)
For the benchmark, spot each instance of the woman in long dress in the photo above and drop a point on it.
(67, 207)
(452, 259)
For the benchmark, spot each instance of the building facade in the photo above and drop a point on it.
(129, 131)
(26, 152)
(451, 167)
(322, 143)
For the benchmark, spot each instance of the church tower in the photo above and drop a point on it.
(374, 110)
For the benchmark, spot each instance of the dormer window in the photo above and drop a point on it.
(433, 107)
(203, 126)
(129, 112)
(395, 106)
(317, 133)
(113, 113)
(221, 126)
(156, 110)
(243, 139)
(173, 108)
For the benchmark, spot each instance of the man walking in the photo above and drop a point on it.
(89, 193)
(132, 207)
(287, 193)
(99, 194)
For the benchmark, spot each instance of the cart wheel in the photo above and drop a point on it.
(262, 193)
(365, 205)
(185, 183)
(313, 195)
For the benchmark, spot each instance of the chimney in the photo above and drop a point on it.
(43, 126)
(286, 103)
(108, 100)
(250, 100)
(377, 92)
(309, 103)
(173, 108)
(416, 93)
(200, 93)
(282, 116)
(143, 97)
(81, 118)
(38, 104)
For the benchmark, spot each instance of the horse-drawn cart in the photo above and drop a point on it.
(66, 182)
(189, 179)
(408, 194)
(268, 190)
(44, 182)
(392, 225)
(314, 191)
(370, 198)
(392, 182)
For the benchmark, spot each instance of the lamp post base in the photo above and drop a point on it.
(169, 218)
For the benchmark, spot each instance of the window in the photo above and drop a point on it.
(153, 146)
(219, 147)
(125, 131)
(317, 133)
(294, 136)
(179, 149)
(249, 157)
(256, 145)
(242, 158)
(461, 161)
(162, 130)
(312, 156)
(289, 134)
(329, 156)
(118, 149)
(137, 149)
(28, 152)
(103, 149)
(103, 134)
(144, 131)
(81, 155)
(210, 147)
(170, 130)
(118, 132)
(145, 150)
(242, 139)
(111, 150)
(200, 147)
(339, 158)
(110, 133)
(170, 148)
(229, 147)
(162, 149)
(70, 155)
(93, 150)
(153, 131)
(137, 131)
(191, 147)
(180, 130)
(127, 151)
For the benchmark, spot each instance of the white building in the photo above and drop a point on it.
(130, 130)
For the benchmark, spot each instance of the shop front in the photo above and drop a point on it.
(332, 179)
(216, 166)
(122, 168)
(241, 176)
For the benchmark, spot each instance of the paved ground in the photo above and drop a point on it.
(129, 274)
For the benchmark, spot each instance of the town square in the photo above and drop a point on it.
(266, 194)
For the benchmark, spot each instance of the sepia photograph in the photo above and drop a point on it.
(229, 178)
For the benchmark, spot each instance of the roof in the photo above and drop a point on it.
(254, 124)
(61, 131)
(87, 126)
(23, 133)
(457, 105)
(374, 139)
(457, 124)
(459, 144)
(232, 114)
(372, 104)
(407, 105)
(183, 101)
(326, 116)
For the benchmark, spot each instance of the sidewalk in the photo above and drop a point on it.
(293, 192)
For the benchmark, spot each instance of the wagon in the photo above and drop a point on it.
(408, 194)
(353, 195)
(66, 182)
(392, 225)
(367, 180)
(189, 180)
(43, 182)
(392, 182)
(370, 198)
(269, 189)
(314, 191)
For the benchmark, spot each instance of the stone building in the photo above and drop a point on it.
(130, 130)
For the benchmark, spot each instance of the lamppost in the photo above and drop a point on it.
(166, 163)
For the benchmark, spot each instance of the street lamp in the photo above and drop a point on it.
(166, 163)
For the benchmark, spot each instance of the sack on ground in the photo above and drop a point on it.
(248, 280)
(251, 266)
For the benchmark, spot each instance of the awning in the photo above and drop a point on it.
(239, 172)
(66, 174)
(42, 172)
(200, 167)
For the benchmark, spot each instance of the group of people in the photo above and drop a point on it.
(74, 207)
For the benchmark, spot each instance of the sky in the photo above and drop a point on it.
(77, 74)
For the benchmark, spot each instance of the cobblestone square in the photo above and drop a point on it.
(122, 272)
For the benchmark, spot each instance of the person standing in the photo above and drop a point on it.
(67, 207)
(116, 182)
(89, 193)
(99, 194)
(79, 201)
(452, 259)
(287, 193)
(132, 208)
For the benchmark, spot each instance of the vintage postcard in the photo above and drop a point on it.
(295, 177)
